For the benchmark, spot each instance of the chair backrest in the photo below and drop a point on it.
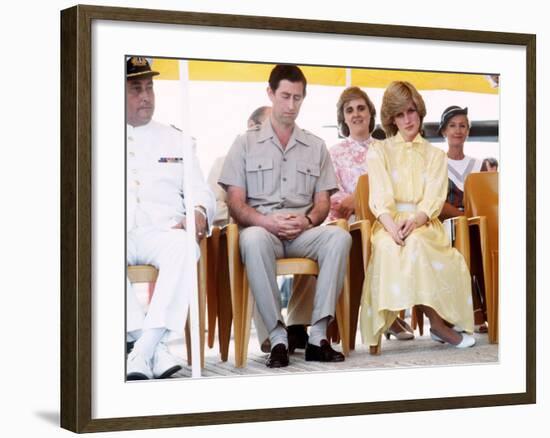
(362, 210)
(481, 199)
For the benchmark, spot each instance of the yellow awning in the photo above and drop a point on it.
(332, 76)
(423, 80)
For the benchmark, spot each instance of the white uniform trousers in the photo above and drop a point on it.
(166, 250)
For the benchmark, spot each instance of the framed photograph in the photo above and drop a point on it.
(224, 62)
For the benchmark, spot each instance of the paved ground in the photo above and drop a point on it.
(420, 352)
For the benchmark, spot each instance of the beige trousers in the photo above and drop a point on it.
(328, 246)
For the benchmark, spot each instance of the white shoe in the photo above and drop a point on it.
(458, 329)
(164, 364)
(137, 367)
(467, 340)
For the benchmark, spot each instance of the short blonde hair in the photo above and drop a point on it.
(396, 98)
(348, 95)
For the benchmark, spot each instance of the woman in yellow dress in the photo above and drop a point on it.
(412, 261)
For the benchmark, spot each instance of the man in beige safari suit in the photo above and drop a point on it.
(279, 179)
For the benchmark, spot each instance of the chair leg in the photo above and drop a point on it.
(237, 305)
(417, 319)
(343, 314)
(493, 318)
(376, 350)
(224, 308)
(333, 335)
(225, 317)
(202, 322)
(248, 304)
(212, 283)
(488, 275)
(202, 305)
(356, 286)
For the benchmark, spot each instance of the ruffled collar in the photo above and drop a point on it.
(417, 141)
(362, 143)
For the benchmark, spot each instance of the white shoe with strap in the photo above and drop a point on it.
(466, 341)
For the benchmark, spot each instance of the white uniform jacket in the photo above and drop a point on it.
(155, 177)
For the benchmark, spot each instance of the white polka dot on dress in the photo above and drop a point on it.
(395, 175)
(395, 289)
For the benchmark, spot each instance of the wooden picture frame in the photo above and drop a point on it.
(76, 217)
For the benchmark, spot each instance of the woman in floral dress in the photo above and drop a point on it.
(412, 261)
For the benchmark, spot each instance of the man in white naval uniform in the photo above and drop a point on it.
(156, 225)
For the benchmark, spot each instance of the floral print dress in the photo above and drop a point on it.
(349, 158)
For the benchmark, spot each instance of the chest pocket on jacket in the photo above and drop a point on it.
(307, 175)
(259, 175)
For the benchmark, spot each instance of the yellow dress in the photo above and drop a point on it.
(406, 177)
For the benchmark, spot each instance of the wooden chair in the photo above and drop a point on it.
(242, 301)
(149, 274)
(481, 208)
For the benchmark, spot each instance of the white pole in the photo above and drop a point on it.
(348, 77)
(190, 213)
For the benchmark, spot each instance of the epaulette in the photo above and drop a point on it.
(312, 134)
(254, 128)
(176, 128)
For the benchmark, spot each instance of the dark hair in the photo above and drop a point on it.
(257, 115)
(347, 95)
(290, 72)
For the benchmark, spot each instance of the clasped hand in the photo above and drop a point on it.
(287, 226)
(401, 230)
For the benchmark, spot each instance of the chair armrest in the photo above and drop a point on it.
(476, 220)
(362, 224)
(342, 223)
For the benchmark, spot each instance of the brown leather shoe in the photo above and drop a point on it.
(324, 353)
(297, 337)
(278, 357)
